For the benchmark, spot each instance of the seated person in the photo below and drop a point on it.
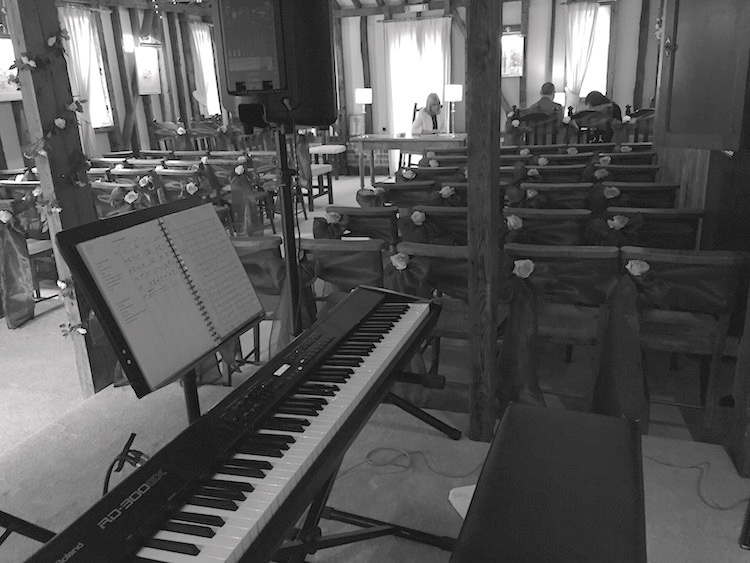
(603, 117)
(534, 115)
(429, 119)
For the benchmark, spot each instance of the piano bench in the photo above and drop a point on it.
(557, 486)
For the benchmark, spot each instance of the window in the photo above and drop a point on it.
(99, 102)
(596, 71)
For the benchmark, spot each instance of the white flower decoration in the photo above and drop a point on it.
(158, 168)
(572, 150)
(379, 191)
(611, 192)
(514, 222)
(626, 119)
(144, 181)
(130, 197)
(119, 166)
(430, 154)
(223, 128)
(605, 160)
(400, 261)
(332, 217)
(191, 188)
(61, 284)
(566, 119)
(447, 191)
(5, 215)
(542, 161)
(194, 168)
(531, 193)
(533, 172)
(36, 192)
(181, 131)
(434, 163)
(637, 267)
(408, 174)
(204, 160)
(72, 106)
(51, 41)
(242, 158)
(239, 170)
(626, 148)
(60, 123)
(418, 218)
(601, 173)
(524, 152)
(27, 61)
(515, 123)
(617, 222)
(523, 268)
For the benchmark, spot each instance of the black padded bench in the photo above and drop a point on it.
(557, 486)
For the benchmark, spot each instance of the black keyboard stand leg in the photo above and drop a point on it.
(439, 425)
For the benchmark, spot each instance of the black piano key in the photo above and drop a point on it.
(318, 390)
(251, 463)
(139, 559)
(241, 471)
(270, 439)
(228, 485)
(257, 441)
(334, 370)
(196, 518)
(282, 424)
(216, 492)
(254, 449)
(220, 503)
(173, 546)
(322, 378)
(189, 529)
(349, 361)
(300, 410)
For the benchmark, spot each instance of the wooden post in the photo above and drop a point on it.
(46, 93)
(482, 88)
(364, 46)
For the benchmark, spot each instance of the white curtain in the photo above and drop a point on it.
(81, 58)
(579, 44)
(418, 62)
(206, 85)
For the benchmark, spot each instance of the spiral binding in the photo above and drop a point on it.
(191, 285)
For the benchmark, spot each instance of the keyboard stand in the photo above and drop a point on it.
(309, 538)
(439, 425)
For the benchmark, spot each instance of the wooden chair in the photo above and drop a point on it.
(569, 148)
(314, 179)
(561, 159)
(406, 195)
(632, 158)
(107, 162)
(436, 225)
(109, 198)
(572, 286)
(154, 153)
(130, 175)
(574, 195)
(686, 300)
(406, 159)
(330, 153)
(340, 222)
(189, 154)
(629, 172)
(177, 184)
(644, 194)
(94, 174)
(144, 162)
(557, 174)
(660, 228)
(559, 227)
(21, 199)
(121, 154)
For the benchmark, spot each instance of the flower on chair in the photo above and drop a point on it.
(611, 192)
(601, 173)
(5, 216)
(626, 118)
(332, 217)
(542, 161)
(524, 152)
(637, 267)
(400, 261)
(131, 197)
(566, 119)
(625, 148)
(605, 160)
(531, 194)
(572, 150)
(617, 222)
(515, 123)
(418, 218)
(514, 222)
(434, 163)
(532, 173)
(430, 154)
(181, 130)
(36, 192)
(408, 174)
(523, 268)
(239, 170)
(447, 191)
(191, 188)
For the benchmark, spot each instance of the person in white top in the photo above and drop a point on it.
(429, 119)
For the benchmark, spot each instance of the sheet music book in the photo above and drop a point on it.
(175, 288)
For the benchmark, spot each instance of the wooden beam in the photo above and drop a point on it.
(458, 21)
(46, 93)
(525, 33)
(115, 138)
(129, 134)
(178, 8)
(640, 64)
(187, 50)
(138, 31)
(358, 10)
(612, 56)
(483, 85)
(365, 49)
(338, 52)
(551, 50)
(178, 66)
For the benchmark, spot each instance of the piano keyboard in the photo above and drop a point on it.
(239, 507)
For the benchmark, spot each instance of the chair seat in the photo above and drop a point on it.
(679, 331)
(327, 149)
(38, 247)
(321, 169)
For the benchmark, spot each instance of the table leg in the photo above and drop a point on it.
(361, 167)
(372, 167)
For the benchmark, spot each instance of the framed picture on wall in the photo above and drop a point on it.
(10, 91)
(512, 55)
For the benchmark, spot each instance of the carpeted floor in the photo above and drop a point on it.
(55, 448)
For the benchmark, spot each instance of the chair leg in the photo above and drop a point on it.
(329, 188)
(435, 355)
(711, 366)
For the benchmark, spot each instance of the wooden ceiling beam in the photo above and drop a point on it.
(383, 8)
(203, 10)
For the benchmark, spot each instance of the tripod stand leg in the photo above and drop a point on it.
(453, 433)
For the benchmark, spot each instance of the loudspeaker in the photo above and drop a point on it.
(278, 53)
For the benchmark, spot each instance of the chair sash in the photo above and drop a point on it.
(611, 232)
(449, 230)
(16, 285)
(672, 233)
(369, 198)
(551, 231)
(553, 199)
(246, 208)
(335, 226)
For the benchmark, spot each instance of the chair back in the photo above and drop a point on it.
(640, 158)
(154, 153)
(378, 223)
(144, 162)
(627, 172)
(563, 159)
(658, 228)
(264, 265)
(642, 194)
(441, 174)
(432, 267)
(556, 174)
(189, 154)
(21, 198)
(541, 195)
(557, 227)
(94, 174)
(114, 198)
(182, 183)
(439, 225)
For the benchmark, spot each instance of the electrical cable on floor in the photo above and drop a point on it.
(703, 467)
(378, 458)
